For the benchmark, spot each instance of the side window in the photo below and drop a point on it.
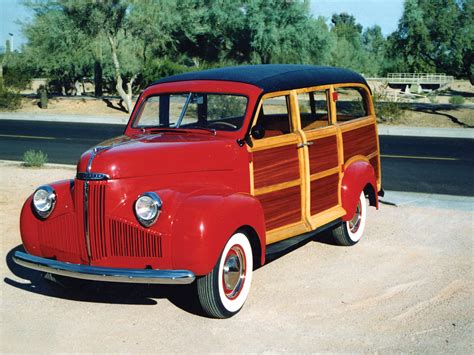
(313, 110)
(274, 118)
(351, 104)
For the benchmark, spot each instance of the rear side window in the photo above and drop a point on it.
(274, 118)
(313, 110)
(351, 104)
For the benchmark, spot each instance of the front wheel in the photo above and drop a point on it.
(223, 291)
(349, 233)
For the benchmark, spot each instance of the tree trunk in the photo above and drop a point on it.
(129, 88)
(98, 78)
(118, 77)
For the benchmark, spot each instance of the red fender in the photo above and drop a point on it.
(29, 222)
(204, 223)
(357, 175)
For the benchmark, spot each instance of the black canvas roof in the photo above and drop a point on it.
(274, 77)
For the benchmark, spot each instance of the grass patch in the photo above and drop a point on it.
(456, 100)
(34, 158)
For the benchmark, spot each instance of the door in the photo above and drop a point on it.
(277, 167)
(323, 154)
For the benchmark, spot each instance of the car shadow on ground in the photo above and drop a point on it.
(182, 296)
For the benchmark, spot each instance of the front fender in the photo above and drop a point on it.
(30, 222)
(205, 221)
(357, 175)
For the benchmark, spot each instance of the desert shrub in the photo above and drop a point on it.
(9, 100)
(456, 100)
(386, 110)
(33, 158)
(433, 99)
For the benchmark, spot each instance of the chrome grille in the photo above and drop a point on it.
(95, 219)
(127, 239)
(60, 233)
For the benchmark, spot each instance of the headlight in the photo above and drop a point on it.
(147, 208)
(44, 200)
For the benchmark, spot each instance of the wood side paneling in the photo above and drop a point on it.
(323, 154)
(275, 165)
(375, 164)
(360, 141)
(324, 193)
(281, 207)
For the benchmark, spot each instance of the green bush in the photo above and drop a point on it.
(33, 158)
(9, 100)
(456, 100)
(385, 109)
(433, 99)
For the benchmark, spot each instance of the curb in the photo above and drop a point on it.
(385, 130)
(47, 165)
(403, 198)
(64, 118)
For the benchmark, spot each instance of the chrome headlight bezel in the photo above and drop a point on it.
(154, 202)
(49, 196)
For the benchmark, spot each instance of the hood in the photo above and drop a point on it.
(162, 153)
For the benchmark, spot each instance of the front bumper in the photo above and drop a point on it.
(148, 276)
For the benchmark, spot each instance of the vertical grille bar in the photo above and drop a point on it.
(130, 240)
(96, 215)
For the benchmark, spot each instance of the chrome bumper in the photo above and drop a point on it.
(147, 276)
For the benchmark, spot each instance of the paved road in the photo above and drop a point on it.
(416, 164)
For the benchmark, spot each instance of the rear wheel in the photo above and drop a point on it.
(349, 232)
(223, 291)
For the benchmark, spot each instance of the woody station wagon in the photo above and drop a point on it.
(214, 169)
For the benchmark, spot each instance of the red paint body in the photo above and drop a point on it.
(357, 176)
(202, 179)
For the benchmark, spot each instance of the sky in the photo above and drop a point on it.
(384, 13)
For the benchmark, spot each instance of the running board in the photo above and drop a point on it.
(275, 250)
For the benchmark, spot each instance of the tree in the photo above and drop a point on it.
(434, 35)
(55, 48)
(108, 18)
(345, 26)
(347, 51)
(374, 43)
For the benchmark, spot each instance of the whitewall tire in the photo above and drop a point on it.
(349, 232)
(223, 291)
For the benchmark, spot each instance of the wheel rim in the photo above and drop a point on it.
(233, 275)
(354, 223)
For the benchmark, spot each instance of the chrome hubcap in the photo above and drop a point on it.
(233, 276)
(354, 223)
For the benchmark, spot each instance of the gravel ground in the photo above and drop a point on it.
(408, 286)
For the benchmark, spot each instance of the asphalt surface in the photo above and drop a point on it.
(415, 164)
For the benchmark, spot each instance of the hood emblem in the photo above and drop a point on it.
(92, 176)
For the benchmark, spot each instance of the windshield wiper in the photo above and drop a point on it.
(181, 130)
(212, 130)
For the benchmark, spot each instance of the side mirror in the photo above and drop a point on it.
(258, 132)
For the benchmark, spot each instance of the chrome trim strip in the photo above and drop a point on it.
(52, 196)
(86, 219)
(159, 206)
(85, 272)
(94, 153)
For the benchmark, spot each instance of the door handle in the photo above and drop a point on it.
(305, 144)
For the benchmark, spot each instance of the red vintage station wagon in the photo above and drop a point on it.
(215, 169)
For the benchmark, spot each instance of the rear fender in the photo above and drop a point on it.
(359, 175)
(205, 221)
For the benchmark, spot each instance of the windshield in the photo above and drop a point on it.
(222, 112)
